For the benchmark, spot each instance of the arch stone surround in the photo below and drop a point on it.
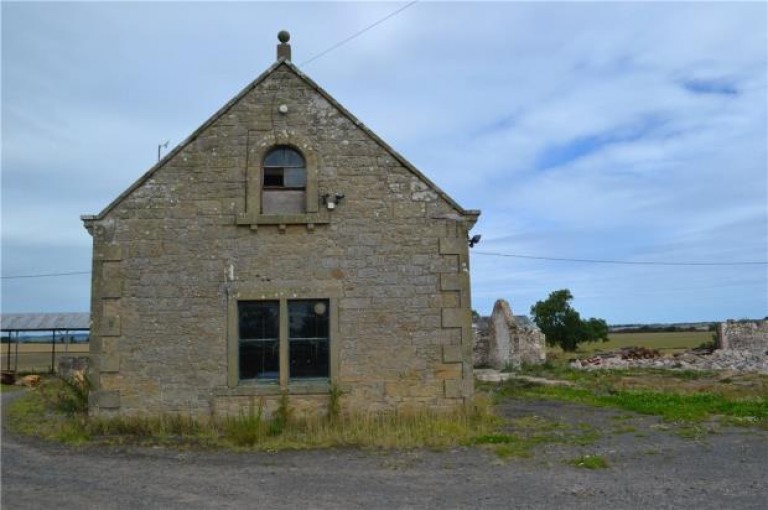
(259, 143)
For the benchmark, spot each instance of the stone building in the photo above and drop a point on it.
(282, 247)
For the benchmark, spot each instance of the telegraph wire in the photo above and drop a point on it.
(623, 262)
(358, 33)
(43, 275)
(494, 254)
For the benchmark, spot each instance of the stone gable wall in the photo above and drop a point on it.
(170, 259)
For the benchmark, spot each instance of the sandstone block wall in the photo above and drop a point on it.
(174, 254)
(749, 336)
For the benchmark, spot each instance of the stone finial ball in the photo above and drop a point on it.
(283, 36)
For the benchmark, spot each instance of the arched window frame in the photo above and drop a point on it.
(259, 145)
(275, 172)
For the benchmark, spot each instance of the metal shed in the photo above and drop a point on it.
(57, 323)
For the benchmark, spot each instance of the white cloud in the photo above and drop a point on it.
(640, 163)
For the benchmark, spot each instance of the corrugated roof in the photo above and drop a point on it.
(44, 321)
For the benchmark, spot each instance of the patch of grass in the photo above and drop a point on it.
(36, 414)
(695, 431)
(523, 435)
(589, 462)
(624, 429)
(674, 396)
(8, 388)
(245, 430)
(68, 395)
(334, 403)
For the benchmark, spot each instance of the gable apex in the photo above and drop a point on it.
(464, 215)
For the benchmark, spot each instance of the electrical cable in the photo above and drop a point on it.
(496, 254)
(358, 33)
(45, 275)
(625, 262)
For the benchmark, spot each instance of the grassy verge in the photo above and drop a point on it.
(7, 388)
(49, 412)
(523, 435)
(681, 396)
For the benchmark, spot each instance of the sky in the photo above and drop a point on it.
(629, 132)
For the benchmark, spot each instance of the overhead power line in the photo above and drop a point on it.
(358, 33)
(43, 275)
(624, 262)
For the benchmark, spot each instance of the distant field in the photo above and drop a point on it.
(37, 357)
(666, 342)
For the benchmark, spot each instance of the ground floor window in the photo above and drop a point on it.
(308, 338)
(259, 339)
(297, 330)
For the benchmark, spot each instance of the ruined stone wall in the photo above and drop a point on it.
(506, 340)
(170, 260)
(749, 336)
(481, 343)
(530, 344)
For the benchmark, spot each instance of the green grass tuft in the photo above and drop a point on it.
(589, 462)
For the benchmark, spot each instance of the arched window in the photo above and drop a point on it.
(284, 182)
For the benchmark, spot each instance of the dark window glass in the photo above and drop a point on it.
(259, 339)
(273, 177)
(284, 157)
(284, 168)
(308, 338)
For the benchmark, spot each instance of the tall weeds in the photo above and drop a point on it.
(58, 411)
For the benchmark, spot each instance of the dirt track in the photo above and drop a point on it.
(648, 468)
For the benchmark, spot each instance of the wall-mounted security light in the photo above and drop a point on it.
(332, 200)
(475, 239)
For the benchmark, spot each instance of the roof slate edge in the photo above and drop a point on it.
(470, 214)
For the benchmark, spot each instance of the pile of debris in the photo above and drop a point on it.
(638, 353)
(697, 359)
(617, 359)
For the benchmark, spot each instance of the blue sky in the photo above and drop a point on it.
(610, 131)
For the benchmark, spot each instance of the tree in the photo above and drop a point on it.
(563, 325)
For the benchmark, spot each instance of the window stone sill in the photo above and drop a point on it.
(254, 220)
(250, 388)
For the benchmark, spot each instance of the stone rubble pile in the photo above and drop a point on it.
(721, 359)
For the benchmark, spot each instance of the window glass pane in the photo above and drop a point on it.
(293, 158)
(308, 319)
(309, 358)
(260, 359)
(259, 339)
(273, 177)
(283, 156)
(294, 177)
(275, 157)
(308, 338)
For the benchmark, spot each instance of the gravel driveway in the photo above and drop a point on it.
(649, 467)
